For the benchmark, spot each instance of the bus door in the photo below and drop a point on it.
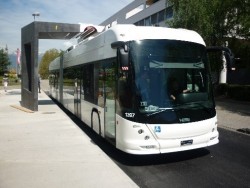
(109, 103)
(77, 99)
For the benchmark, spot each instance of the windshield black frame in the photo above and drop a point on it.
(157, 64)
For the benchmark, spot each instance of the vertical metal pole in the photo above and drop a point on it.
(61, 80)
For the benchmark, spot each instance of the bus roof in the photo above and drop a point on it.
(125, 32)
(99, 47)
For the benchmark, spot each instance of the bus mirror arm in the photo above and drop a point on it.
(227, 52)
(120, 44)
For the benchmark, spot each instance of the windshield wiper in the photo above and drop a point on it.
(204, 107)
(192, 106)
(159, 111)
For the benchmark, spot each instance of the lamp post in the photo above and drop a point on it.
(35, 14)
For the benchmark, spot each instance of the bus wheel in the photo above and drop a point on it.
(95, 122)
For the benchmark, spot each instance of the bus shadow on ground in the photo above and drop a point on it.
(45, 102)
(13, 92)
(244, 130)
(130, 159)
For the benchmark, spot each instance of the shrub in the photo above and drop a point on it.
(239, 92)
(221, 89)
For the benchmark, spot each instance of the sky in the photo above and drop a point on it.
(15, 14)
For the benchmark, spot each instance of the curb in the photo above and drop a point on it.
(22, 108)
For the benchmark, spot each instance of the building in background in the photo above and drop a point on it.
(156, 13)
(142, 13)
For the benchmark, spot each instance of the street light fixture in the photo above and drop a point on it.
(35, 14)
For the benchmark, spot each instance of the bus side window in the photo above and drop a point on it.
(101, 87)
(88, 83)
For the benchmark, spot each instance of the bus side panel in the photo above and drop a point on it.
(86, 109)
(68, 101)
(101, 115)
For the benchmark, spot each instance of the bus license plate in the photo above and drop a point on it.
(186, 142)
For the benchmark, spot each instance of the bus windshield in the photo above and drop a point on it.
(170, 81)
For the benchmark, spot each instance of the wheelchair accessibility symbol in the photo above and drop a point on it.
(157, 129)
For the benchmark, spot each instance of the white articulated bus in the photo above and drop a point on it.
(147, 90)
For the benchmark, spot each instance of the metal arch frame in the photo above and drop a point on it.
(30, 35)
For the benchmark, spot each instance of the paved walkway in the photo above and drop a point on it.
(45, 149)
(233, 114)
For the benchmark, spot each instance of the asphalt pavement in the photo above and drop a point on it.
(46, 148)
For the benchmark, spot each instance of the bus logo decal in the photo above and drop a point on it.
(157, 129)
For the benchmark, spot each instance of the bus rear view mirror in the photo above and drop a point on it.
(227, 53)
(122, 59)
(122, 54)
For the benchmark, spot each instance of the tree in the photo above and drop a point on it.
(216, 21)
(213, 19)
(4, 61)
(49, 56)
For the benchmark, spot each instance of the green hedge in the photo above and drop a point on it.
(221, 89)
(238, 92)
